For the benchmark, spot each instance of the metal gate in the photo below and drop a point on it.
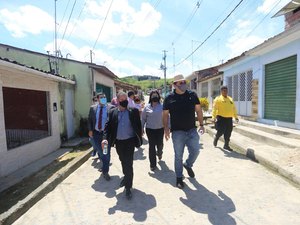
(280, 89)
(240, 89)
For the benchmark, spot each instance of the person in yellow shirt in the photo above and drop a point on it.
(223, 112)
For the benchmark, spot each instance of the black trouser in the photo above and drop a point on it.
(224, 126)
(125, 150)
(156, 140)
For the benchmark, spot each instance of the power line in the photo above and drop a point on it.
(189, 20)
(103, 23)
(64, 15)
(68, 22)
(255, 27)
(77, 20)
(212, 32)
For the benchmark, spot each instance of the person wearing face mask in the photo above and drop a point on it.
(152, 120)
(180, 106)
(96, 121)
(124, 130)
(223, 111)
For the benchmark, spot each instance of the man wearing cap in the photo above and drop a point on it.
(180, 106)
(223, 112)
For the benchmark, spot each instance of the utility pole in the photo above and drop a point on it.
(91, 55)
(164, 68)
(55, 41)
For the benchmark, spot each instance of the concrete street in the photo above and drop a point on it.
(228, 189)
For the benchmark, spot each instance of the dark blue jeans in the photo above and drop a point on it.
(96, 143)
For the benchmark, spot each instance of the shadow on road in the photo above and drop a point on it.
(164, 174)
(139, 153)
(107, 187)
(233, 154)
(138, 205)
(201, 200)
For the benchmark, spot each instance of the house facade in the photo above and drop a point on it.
(29, 114)
(73, 101)
(265, 81)
(206, 83)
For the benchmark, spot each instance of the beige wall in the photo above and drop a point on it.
(23, 155)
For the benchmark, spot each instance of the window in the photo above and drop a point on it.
(215, 88)
(26, 115)
(204, 89)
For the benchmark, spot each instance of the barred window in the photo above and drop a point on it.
(26, 115)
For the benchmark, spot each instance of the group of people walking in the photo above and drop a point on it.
(122, 125)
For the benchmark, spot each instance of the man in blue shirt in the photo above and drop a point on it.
(123, 129)
(96, 121)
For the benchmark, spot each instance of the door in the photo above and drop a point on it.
(280, 89)
(69, 112)
(240, 89)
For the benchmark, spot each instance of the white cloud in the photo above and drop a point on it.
(241, 38)
(26, 20)
(122, 19)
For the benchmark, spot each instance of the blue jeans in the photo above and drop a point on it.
(181, 139)
(96, 143)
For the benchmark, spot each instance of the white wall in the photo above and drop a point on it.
(19, 157)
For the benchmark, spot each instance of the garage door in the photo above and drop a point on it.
(280, 90)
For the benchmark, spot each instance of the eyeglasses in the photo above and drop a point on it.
(180, 82)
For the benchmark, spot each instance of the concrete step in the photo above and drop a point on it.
(268, 138)
(282, 131)
(284, 161)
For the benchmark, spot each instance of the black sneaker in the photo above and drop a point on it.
(152, 168)
(215, 141)
(226, 147)
(189, 171)
(179, 183)
(106, 176)
(128, 193)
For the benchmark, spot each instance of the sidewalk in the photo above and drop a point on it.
(282, 160)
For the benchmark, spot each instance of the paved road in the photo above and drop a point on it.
(228, 189)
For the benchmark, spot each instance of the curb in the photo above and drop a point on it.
(251, 154)
(24, 205)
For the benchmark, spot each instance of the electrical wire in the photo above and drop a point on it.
(103, 24)
(77, 20)
(187, 23)
(67, 23)
(211, 33)
(64, 15)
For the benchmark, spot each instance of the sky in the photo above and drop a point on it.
(130, 37)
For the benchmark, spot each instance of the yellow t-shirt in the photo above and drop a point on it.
(224, 107)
